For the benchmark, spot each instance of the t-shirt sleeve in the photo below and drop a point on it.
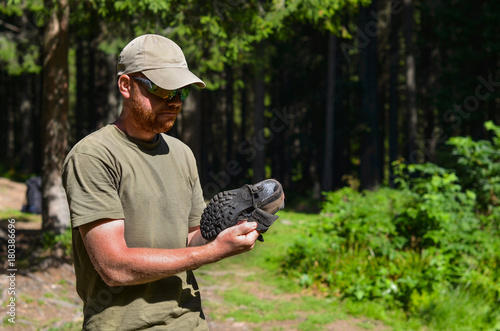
(197, 200)
(91, 189)
(197, 204)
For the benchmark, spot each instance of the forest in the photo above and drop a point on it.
(381, 117)
(317, 94)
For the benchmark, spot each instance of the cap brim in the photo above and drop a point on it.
(173, 78)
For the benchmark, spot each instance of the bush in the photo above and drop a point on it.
(478, 165)
(51, 242)
(455, 309)
(437, 230)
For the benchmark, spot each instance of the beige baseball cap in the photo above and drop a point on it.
(160, 60)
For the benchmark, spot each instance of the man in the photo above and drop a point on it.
(136, 201)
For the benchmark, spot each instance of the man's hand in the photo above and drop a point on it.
(237, 239)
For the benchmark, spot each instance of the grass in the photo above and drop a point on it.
(279, 237)
(26, 298)
(19, 216)
(264, 294)
(240, 304)
(6, 322)
(69, 326)
(468, 311)
(248, 307)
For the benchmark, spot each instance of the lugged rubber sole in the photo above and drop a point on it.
(255, 203)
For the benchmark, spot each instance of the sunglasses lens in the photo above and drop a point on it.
(164, 94)
(184, 93)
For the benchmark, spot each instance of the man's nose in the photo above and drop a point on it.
(175, 100)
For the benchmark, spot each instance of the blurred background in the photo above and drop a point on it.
(379, 117)
(318, 94)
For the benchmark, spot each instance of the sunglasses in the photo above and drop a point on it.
(162, 93)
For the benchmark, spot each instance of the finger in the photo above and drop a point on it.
(253, 235)
(244, 227)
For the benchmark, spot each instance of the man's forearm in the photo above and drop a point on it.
(120, 265)
(144, 265)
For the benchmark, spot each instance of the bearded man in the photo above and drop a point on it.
(136, 201)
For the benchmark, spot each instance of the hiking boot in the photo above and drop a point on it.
(254, 203)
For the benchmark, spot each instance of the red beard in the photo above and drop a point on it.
(149, 121)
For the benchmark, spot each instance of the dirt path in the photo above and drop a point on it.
(12, 194)
(46, 298)
(217, 281)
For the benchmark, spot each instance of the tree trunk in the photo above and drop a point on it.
(206, 137)
(27, 141)
(243, 160)
(54, 118)
(411, 84)
(280, 91)
(11, 124)
(370, 151)
(393, 94)
(229, 114)
(342, 147)
(330, 115)
(113, 96)
(189, 122)
(428, 81)
(3, 115)
(81, 86)
(259, 160)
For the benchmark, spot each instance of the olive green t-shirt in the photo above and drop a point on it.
(155, 188)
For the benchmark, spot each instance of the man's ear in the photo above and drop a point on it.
(125, 85)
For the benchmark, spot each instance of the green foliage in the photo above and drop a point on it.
(468, 311)
(18, 57)
(19, 216)
(478, 162)
(370, 223)
(439, 214)
(19, 51)
(52, 241)
(408, 246)
(257, 309)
